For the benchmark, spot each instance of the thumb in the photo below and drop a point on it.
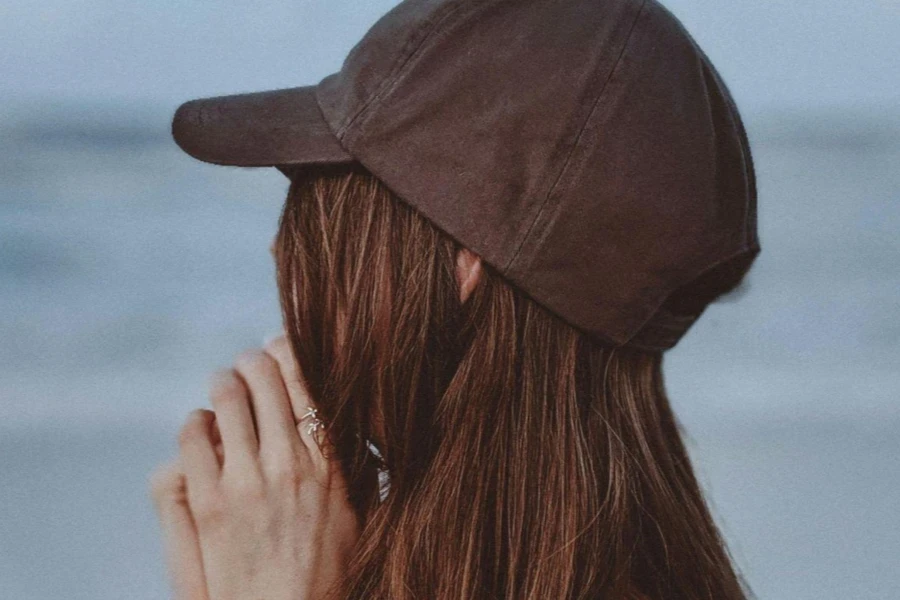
(180, 540)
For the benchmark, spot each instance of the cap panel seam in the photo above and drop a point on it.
(400, 62)
(571, 152)
(411, 60)
(751, 236)
(751, 210)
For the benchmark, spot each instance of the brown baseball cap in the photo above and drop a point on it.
(586, 149)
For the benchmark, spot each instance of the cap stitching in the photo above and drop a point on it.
(751, 236)
(751, 210)
(577, 139)
(399, 63)
(410, 62)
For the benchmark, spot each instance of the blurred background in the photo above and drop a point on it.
(129, 271)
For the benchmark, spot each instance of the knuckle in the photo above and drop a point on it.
(193, 426)
(278, 347)
(208, 511)
(286, 473)
(255, 361)
(244, 489)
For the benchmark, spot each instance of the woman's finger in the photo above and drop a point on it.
(231, 400)
(198, 457)
(271, 405)
(302, 403)
(280, 349)
(181, 543)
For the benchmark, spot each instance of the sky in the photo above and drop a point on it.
(803, 54)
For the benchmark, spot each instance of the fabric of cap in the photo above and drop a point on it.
(586, 149)
(275, 127)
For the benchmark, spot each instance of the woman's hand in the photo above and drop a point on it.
(265, 515)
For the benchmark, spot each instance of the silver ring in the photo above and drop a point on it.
(315, 424)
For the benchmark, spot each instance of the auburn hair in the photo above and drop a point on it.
(526, 461)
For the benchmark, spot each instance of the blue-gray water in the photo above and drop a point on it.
(128, 272)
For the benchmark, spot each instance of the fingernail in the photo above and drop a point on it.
(272, 337)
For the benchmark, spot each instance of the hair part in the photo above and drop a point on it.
(526, 461)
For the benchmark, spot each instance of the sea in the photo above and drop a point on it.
(130, 271)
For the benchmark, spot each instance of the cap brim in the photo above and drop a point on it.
(274, 128)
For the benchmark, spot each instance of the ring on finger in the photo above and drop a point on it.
(315, 424)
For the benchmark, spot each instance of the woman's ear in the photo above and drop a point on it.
(468, 272)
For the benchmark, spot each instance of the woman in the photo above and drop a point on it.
(529, 445)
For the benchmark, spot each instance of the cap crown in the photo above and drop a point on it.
(586, 149)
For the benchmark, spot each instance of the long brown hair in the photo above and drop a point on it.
(525, 460)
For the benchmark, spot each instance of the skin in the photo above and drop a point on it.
(256, 511)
